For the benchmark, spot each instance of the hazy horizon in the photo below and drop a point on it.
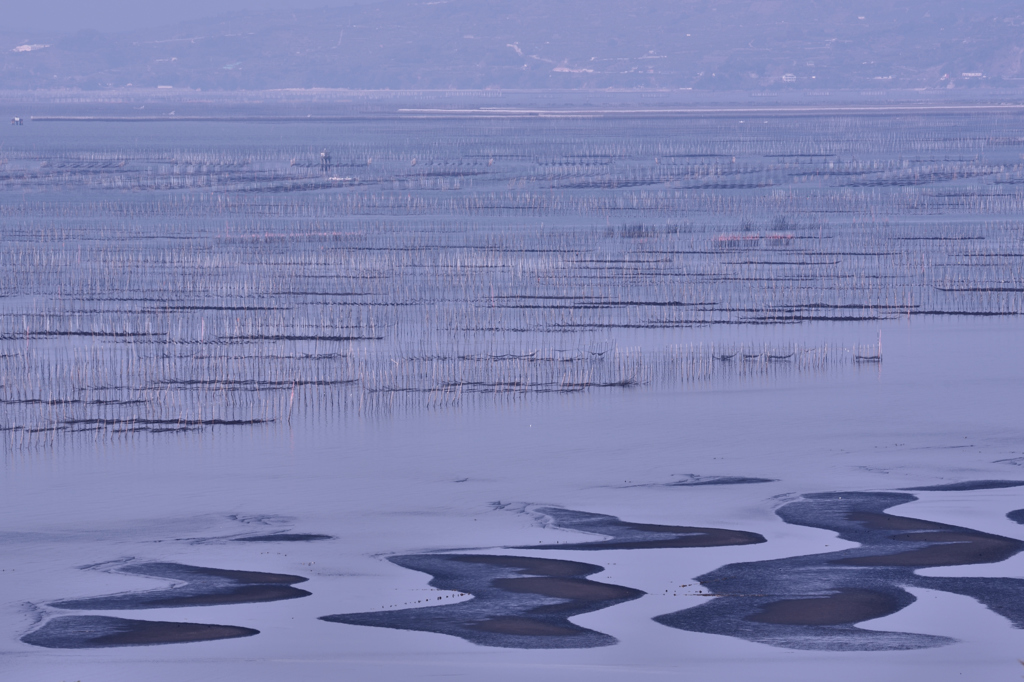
(732, 45)
(67, 16)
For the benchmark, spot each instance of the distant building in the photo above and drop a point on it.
(789, 78)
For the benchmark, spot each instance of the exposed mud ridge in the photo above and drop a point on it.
(97, 632)
(518, 602)
(692, 480)
(969, 485)
(200, 587)
(284, 537)
(626, 535)
(815, 601)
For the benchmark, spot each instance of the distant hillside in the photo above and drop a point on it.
(700, 44)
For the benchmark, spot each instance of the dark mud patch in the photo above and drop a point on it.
(200, 587)
(518, 602)
(840, 608)
(815, 601)
(1017, 516)
(969, 485)
(627, 535)
(96, 632)
(523, 627)
(943, 549)
(285, 537)
(564, 588)
(880, 521)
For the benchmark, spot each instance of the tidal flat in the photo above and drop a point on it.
(736, 395)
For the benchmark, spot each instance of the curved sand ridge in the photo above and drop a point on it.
(961, 486)
(284, 537)
(627, 535)
(525, 602)
(518, 602)
(201, 587)
(97, 632)
(814, 601)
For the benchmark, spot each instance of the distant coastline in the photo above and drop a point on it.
(864, 110)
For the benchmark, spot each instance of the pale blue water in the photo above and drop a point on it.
(409, 356)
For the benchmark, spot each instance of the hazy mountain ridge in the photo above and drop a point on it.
(397, 44)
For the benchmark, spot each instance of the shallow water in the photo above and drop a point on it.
(474, 477)
(457, 480)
